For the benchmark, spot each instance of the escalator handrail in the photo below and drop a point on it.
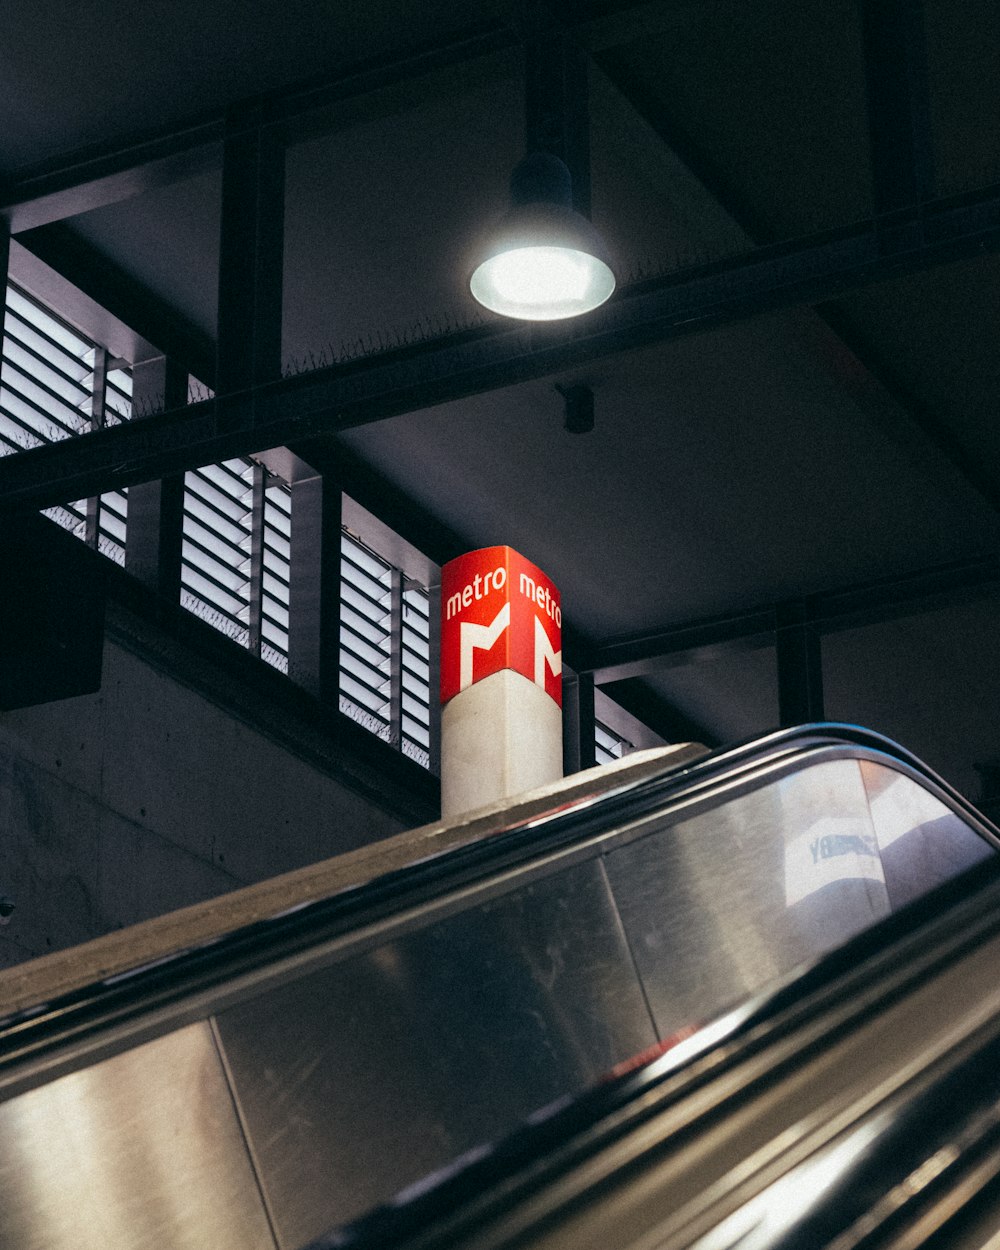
(839, 989)
(101, 1003)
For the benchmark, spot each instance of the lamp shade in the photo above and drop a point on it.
(544, 261)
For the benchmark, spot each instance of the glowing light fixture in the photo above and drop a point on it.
(544, 261)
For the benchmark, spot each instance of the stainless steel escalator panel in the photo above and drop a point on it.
(922, 842)
(361, 1078)
(139, 1151)
(720, 904)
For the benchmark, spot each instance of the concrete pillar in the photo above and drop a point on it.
(501, 679)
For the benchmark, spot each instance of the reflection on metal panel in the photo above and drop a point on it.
(363, 1077)
(141, 1150)
(923, 844)
(718, 905)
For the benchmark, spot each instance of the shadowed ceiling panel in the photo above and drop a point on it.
(724, 471)
(963, 53)
(736, 694)
(928, 681)
(766, 101)
(168, 239)
(99, 76)
(937, 335)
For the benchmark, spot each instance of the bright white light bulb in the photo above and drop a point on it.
(540, 275)
(542, 283)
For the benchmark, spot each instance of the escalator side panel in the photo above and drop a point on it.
(718, 905)
(141, 1150)
(360, 1078)
(922, 842)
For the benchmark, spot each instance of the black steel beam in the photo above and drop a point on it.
(314, 587)
(451, 367)
(798, 649)
(579, 744)
(899, 124)
(154, 534)
(251, 252)
(922, 590)
(4, 273)
(98, 404)
(689, 642)
(255, 616)
(87, 180)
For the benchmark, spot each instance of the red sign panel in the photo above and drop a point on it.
(498, 610)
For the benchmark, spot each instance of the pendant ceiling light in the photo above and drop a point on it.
(544, 261)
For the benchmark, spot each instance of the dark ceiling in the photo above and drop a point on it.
(796, 385)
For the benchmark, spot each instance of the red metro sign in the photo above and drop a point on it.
(498, 610)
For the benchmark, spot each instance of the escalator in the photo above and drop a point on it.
(341, 1061)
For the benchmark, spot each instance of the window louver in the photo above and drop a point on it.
(415, 674)
(384, 650)
(275, 575)
(55, 384)
(215, 567)
(365, 636)
(235, 555)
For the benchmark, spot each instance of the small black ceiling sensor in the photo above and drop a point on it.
(6, 908)
(579, 408)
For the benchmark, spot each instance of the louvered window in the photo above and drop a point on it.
(215, 569)
(234, 569)
(275, 566)
(384, 650)
(46, 390)
(415, 674)
(55, 383)
(365, 636)
(609, 745)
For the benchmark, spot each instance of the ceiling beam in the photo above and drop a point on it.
(93, 179)
(868, 603)
(89, 180)
(386, 384)
(899, 106)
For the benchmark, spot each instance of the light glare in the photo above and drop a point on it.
(540, 275)
(542, 283)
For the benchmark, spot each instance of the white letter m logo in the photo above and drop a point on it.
(474, 637)
(544, 655)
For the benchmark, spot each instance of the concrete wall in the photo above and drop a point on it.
(147, 796)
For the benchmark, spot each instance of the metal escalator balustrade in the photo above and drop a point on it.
(369, 1040)
(857, 1105)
